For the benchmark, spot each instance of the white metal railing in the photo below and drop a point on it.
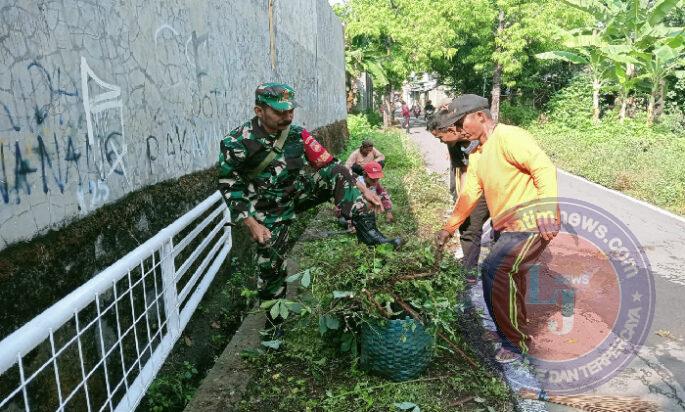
(100, 347)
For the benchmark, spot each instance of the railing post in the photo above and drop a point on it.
(169, 284)
(227, 228)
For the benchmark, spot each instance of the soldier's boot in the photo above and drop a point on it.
(368, 233)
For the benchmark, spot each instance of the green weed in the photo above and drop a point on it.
(173, 392)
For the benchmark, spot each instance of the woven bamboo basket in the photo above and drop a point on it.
(398, 349)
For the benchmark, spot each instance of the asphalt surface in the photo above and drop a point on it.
(657, 372)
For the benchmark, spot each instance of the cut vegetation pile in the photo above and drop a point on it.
(344, 286)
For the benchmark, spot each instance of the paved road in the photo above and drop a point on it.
(658, 372)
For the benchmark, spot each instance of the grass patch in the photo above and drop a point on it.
(642, 162)
(317, 366)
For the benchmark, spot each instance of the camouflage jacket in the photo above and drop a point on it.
(270, 196)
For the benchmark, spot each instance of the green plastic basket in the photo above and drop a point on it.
(398, 349)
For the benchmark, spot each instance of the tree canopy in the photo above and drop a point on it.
(531, 47)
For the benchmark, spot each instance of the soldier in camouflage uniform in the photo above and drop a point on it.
(267, 202)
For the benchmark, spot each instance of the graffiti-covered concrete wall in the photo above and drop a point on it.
(98, 99)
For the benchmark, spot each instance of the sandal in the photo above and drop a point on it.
(507, 356)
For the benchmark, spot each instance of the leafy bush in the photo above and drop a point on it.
(572, 106)
(518, 114)
(676, 93)
(173, 392)
(374, 118)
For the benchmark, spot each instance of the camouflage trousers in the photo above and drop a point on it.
(333, 182)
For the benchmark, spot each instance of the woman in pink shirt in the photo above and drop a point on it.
(406, 113)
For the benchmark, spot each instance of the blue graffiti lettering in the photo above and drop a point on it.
(3, 184)
(22, 168)
(45, 158)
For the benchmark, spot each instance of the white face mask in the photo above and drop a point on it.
(471, 147)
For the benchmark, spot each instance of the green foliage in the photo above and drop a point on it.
(676, 92)
(407, 406)
(173, 392)
(625, 36)
(389, 40)
(479, 47)
(569, 107)
(630, 157)
(373, 118)
(345, 270)
(518, 114)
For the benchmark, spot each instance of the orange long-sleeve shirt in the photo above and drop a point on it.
(511, 171)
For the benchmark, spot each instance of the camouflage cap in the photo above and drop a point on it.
(279, 96)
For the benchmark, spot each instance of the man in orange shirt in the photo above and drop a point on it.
(519, 184)
(471, 231)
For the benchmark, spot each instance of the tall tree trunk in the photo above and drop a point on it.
(650, 108)
(659, 107)
(496, 92)
(596, 87)
(388, 108)
(497, 75)
(624, 108)
(630, 72)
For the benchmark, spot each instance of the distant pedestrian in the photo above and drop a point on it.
(428, 110)
(406, 114)
(416, 110)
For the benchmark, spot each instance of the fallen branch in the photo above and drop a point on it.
(444, 337)
(378, 306)
(466, 357)
(407, 308)
(462, 401)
